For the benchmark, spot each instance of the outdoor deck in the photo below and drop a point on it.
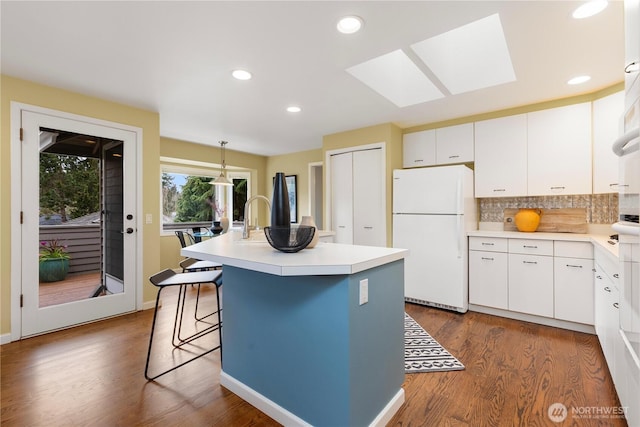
(75, 287)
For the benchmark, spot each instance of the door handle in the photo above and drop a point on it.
(129, 230)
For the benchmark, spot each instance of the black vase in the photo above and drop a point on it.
(217, 228)
(280, 210)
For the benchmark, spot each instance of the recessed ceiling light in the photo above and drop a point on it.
(241, 74)
(294, 109)
(350, 24)
(578, 80)
(590, 8)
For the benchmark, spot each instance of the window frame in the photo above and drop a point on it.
(202, 169)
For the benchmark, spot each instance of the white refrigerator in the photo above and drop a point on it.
(433, 208)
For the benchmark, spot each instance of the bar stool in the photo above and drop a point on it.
(190, 265)
(168, 278)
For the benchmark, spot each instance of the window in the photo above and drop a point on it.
(188, 200)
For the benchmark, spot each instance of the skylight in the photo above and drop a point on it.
(471, 57)
(397, 78)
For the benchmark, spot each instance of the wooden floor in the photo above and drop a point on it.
(74, 287)
(92, 375)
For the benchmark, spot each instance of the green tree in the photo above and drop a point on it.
(69, 185)
(192, 205)
(169, 195)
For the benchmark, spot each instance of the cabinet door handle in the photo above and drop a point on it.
(487, 244)
(607, 289)
(342, 226)
(613, 185)
(529, 262)
(616, 305)
(632, 67)
(599, 277)
(557, 188)
(368, 228)
(574, 266)
(418, 161)
(499, 189)
(616, 275)
(454, 157)
(488, 259)
(529, 246)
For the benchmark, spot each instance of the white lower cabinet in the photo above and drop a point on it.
(606, 314)
(573, 281)
(489, 272)
(545, 278)
(531, 284)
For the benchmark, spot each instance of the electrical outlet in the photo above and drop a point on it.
(364, 291)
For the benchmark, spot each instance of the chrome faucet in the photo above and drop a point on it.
(245, 227)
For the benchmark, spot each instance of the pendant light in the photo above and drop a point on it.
(222, 179)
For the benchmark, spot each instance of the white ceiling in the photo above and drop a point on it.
(176, 58)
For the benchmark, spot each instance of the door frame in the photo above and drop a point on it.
(313, 196)
(16, 203)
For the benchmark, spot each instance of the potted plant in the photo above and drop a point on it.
(53, 261)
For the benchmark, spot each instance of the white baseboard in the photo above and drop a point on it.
(390, 410)
(579, 327)
(150, 304)
(265, 405)
(5, 339)
(285, 417)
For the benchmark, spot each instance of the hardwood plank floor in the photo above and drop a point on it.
(92, 375)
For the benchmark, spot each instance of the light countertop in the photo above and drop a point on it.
(602, 241)
(324, 259)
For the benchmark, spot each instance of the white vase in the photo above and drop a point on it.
(224, 223)
(308, 220)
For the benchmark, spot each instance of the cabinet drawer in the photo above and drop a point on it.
(530, 246)
(609, 266)
(573, 249)
(491, 244)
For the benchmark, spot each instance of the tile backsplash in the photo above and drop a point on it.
(601, 208)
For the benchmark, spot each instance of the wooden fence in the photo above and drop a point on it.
(82, 241)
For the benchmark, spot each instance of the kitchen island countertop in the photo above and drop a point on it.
(324, 259)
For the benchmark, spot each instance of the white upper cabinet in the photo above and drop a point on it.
(454, 144)
(419, 149)
(501, 157)
(559, 151)
(631, 40)
(607, 126)
(443, 146)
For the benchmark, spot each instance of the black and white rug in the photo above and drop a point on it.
(424, 354)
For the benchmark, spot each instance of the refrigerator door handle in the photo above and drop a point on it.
(459, 196)
(459, 234)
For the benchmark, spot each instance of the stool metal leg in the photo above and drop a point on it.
(179, 315)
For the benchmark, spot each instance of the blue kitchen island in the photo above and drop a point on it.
(298, 343)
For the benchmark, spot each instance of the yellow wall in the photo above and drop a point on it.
(235, 160)
(294, 164)
(388, 133)
(589, 97)
(57, 99)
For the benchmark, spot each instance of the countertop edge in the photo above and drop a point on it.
(324, 259)
(597, 239)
